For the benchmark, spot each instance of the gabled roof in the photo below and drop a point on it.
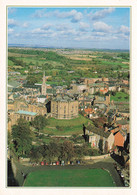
(122, 122)
(98, 131)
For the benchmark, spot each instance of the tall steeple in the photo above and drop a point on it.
(43, 87)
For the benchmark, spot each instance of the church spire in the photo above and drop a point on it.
(43, 87)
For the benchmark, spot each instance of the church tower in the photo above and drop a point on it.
(43, 87)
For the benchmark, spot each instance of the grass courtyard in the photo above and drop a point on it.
(120, 97)
(70, 178)
(66, 127)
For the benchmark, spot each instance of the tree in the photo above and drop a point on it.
(106, 147)
(79, 152)
(53, 150)
(10, 143)
(67, 150)
(22, 137)
(39, 122)
(85, 149)
(31, 79)
(35, 155)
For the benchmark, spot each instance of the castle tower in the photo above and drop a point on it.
(43, 87)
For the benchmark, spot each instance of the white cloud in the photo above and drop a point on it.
(96, 36)
(10, 30)
(101, 27)
(74, 15)
(62, 27)
(41, 31)
(124, 29)
(12, 23)
(101, 13)
(26, 24)
(99, 33)
(123, 32)
(11, 10)
(39, 13)
(49, 35)
(17, 35)
(122, 36)
(83, 26)
(84, 37)
(69, 32)
(46, 26)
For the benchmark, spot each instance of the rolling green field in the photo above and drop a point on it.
(66, 127)
(120, 97)
(57, 64)
(70, 178)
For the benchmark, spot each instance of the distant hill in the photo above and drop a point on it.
(52, 47)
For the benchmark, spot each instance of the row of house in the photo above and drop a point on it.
(114, 138)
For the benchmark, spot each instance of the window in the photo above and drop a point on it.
(53, 107)
(72, 110)
(64, 109)
(57, 108)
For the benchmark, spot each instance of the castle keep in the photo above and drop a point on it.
(64, 108)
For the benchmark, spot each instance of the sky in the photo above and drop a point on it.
(70, 27)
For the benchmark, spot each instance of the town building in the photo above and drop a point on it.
(22, 109)
(97, 135)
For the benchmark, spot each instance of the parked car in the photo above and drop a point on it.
(62, 162)
(126, 183)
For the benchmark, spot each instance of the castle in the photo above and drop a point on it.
(64, 107)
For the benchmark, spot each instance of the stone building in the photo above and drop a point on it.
(20, 108)
(95, 136)
(78, 88)
(64, 108)
(29, 116)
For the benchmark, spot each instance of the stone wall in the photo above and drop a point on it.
(96, 157)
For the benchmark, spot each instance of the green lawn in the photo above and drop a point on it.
(106, 62)
(66, 127)
(120, 97)
(70, 178)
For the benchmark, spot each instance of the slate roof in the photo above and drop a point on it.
(64, 99)
(13, 84)
(98, 131)
(122, 122)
